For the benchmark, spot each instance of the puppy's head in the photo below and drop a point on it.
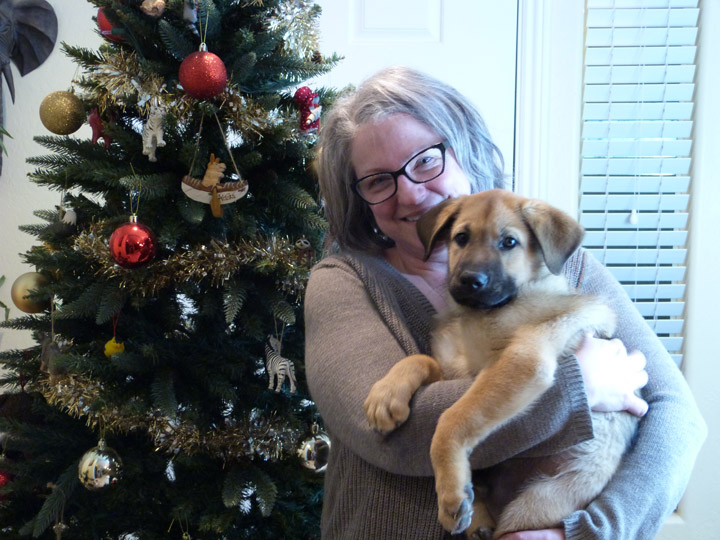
(497, 242)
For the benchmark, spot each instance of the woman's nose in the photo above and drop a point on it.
(408, 191)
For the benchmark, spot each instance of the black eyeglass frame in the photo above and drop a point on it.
(443, 146)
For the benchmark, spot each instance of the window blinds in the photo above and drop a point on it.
(636, 150)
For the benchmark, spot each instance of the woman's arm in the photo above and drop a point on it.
(349, 348)
(652, 478)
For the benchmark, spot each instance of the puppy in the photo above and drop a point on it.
(511, 317)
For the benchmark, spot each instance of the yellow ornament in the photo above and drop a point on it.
(113, 347)
(62, 113)
(30, 281)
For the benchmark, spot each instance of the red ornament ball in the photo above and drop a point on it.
(106, 27)
(133, 244)
(5, 478)
(203, 75)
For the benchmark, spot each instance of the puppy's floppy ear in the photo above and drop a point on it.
(434, 226)
(558, 234)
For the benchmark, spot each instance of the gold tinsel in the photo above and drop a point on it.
(257, 435)
(215, 262)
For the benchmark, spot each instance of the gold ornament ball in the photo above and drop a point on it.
(30, 281)
(62, 113)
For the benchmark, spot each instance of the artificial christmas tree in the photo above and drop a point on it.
(177, 255)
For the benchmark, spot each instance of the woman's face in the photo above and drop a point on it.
(386, 146)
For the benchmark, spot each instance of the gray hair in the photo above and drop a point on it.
(391, 91)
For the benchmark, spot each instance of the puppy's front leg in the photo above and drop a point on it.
(525, 370)
(388, 403)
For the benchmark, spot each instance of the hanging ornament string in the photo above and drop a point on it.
(227, 146)
(197, 144)
(134, 198)
(60, 527)
(203, 31)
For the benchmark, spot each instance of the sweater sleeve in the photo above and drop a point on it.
(652, 478)
(349, 347)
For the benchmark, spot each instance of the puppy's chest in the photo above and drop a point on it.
(467, 341)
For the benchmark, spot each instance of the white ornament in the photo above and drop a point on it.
(152, 135)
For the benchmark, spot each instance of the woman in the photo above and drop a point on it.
(372, 304)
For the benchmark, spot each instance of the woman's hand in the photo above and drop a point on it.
(545, 534)
(612, 375)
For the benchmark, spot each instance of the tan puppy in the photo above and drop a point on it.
(512, 316)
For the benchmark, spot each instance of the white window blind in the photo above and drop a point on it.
(636, 150)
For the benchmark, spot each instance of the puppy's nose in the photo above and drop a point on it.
(475, 281)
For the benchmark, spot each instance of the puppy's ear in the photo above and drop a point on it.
(558, 234)
(434, 226)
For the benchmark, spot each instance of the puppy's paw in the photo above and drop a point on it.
(388, 404)
(455, 509)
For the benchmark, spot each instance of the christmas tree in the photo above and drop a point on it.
(165, 397)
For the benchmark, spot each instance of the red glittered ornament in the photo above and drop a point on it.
(203, 74)
(106, 27)
(133, 244)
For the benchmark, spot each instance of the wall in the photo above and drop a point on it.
(19, 197)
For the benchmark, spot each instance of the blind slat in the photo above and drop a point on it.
(637, 111)
(640, 256)
(634, 238)
(622, 37)
(660, 309)
(638, 92)
(623, 4)
(650, 292)
(619, 202)
(635, 184)
(638, 274)
(619, 56)
(667, 326)
(639, 166)
(645, 220)
(644, 17)
(639, 74)
(647, 128)
(637, 147)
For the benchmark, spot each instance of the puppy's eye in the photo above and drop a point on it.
(461, 239)
(508, 243)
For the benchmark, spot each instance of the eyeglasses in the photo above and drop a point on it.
(424, 166)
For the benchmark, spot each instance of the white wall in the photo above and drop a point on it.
(19, 197)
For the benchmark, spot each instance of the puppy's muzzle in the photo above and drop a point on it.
(481, 288)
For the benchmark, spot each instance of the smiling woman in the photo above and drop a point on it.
(371, 304)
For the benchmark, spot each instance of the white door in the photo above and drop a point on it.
(469, 44)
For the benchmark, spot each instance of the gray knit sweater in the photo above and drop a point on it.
(362, 316)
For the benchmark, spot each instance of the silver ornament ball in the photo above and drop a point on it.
(99, 467)
(314, 452)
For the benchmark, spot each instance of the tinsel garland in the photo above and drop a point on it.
(119, 81)
(295, 20)
(257, 435)
(215, 262)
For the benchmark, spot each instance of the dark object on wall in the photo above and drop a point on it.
(28, 30)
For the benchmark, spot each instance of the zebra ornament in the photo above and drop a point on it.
(278, 367)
